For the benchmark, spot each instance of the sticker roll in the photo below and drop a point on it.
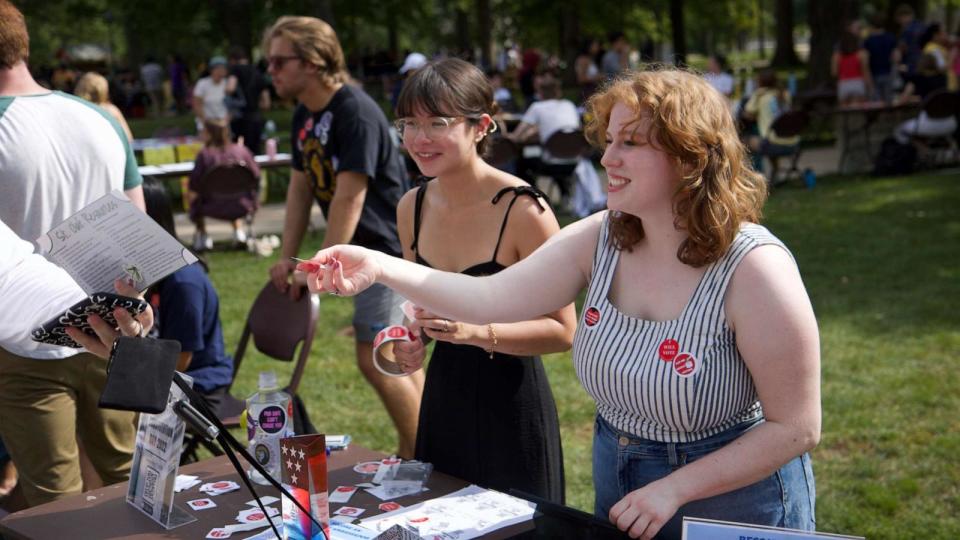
(383, 357)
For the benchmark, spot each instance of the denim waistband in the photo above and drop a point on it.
(631, 443)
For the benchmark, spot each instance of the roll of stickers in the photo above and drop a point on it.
(383, 356)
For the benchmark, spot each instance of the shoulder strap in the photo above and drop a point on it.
(418, 207)
(517, 191)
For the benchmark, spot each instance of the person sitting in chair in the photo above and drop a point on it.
(218, 149)
(551, 114)
(764, 106)
(187, 309)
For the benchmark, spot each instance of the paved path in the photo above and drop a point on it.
(269, 219)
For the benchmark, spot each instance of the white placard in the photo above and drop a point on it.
(112, 239)
(706, 529)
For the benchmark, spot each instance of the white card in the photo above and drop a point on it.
(267, 499)
(219, 533)
(349, 511)
(342, 494)
(202, 504)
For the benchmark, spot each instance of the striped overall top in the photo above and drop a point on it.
(670, 381)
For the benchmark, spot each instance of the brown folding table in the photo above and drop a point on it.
(104, 513)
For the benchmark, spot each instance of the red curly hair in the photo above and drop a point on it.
(690, 122)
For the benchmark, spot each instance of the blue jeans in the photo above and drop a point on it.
(623, 463)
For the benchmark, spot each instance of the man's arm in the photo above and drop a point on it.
(524, 132)
(297, 214)
(295, 220)
(345, 208)
(135, 194)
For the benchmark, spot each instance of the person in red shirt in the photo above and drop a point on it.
(851, 67)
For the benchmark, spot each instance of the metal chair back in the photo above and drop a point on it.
(566, 144)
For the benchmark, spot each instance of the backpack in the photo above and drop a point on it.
(894, 158)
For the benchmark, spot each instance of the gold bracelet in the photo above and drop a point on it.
(492, 334)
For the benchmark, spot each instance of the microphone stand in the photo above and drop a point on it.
(196, 413)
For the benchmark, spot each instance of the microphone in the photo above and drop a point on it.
(197, 421)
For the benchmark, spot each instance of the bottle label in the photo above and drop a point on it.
(272, 419)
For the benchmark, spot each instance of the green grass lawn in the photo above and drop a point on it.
(880, 259)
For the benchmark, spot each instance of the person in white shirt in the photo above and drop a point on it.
(58, 153)
(209, 94)
(719, 76)
(551, 114)
(151, 73)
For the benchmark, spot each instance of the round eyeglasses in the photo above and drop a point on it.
(433, 127)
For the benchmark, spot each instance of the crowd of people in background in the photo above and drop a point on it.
(346, 158)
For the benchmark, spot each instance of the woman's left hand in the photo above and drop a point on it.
(643, 512)
(442, 329)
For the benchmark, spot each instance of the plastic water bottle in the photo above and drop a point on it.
(269, 419)
(271, 146)
(809, 178)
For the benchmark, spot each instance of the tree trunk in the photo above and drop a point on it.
(485, 32)
(324, 10)
(464, 45)
(679, 34)
(785, 54)
(827, 19)
(236, 22)
(569, 34)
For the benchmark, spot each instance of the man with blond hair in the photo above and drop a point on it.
(58, 153)
(343, 158)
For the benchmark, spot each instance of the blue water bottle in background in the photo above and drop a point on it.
(809, 178)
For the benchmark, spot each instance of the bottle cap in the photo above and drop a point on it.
(268, 380)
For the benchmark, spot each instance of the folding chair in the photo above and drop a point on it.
(502, 152)
(939, 105)
(278, 326)
(229, 192)
(788, 124)
(564, 145)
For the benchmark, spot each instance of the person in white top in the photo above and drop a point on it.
(546, 117)
(58, 153)
(542, 120)
(210, 93)
(718, 75)
(681, 229)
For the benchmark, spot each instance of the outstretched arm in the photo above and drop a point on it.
(547, 280)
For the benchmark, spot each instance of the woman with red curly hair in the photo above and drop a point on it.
(696, 339)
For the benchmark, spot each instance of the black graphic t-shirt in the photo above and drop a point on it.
(352, 134)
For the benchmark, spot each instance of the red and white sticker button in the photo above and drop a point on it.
(686, 365)
(668, 350)
(591, 317)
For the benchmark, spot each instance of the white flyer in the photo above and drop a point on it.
(112, 239)
(468, 513)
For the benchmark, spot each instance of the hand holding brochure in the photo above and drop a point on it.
(112, 239)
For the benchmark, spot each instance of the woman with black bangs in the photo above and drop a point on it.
(487, 415)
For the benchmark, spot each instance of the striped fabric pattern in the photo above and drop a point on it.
(621, 365)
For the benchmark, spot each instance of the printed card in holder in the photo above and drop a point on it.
(156, 459)
(112, 239)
